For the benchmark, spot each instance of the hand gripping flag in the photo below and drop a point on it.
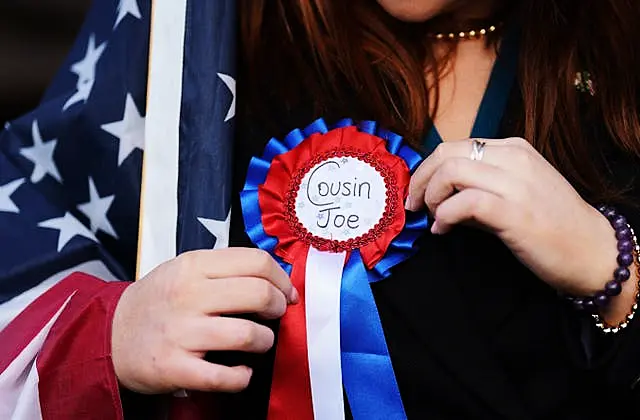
(75, 210)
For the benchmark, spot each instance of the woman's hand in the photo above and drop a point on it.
(516, 194)
(166, 322)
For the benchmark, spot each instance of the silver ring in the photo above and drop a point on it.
(477, 150)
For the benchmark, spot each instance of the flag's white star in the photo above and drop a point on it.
(219, 229)
(231, 84)
(127, 7)
(69, 228)
(96, 210)
(86, 71)
(41, 155)
(129, 130)
(6, 191)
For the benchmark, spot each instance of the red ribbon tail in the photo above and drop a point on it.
(291, 385)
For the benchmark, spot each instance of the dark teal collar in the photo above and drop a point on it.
(494, 102)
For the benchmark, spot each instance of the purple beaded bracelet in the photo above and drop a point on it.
(625, 237)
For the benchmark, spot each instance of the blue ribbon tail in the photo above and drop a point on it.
(367, 372)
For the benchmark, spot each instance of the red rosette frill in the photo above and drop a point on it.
(277, 195)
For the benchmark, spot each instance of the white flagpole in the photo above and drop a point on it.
(159, 194)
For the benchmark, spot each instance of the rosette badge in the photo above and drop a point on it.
(328, 204)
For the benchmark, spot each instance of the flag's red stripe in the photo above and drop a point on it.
(77, 378)
(26, 326)
(291, 386)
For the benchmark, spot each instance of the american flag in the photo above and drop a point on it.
(71, 182)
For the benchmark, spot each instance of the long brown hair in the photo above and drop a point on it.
(330, 43)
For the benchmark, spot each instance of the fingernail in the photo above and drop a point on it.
(407, 203)
(295, 296)
(435, 229)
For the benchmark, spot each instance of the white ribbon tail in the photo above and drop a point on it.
(322, 295)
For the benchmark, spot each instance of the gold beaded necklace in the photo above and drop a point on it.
(465, 35)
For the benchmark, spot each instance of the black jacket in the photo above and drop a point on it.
(473, 334)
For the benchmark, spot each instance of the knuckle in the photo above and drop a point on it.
(188, 262)
(439, 152)
(279, 305)
(235, 381)
(522, 156)
(263, 295)
(189, 258)
(214, 380)
(521, 142)
(244, 337)
(523, 145)
(176, 281)
(429, 198)
(450, 168)
(263, 261)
